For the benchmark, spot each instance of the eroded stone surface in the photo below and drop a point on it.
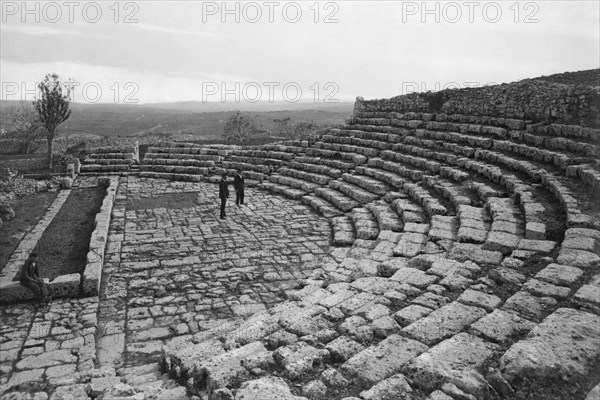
(566, 344)
(379, 362)
(457, 360)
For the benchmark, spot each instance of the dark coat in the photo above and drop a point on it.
(223, 190)
(238, 182)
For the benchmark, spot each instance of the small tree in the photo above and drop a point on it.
(52, 107)
(305, 130)
(24, 124)
(238, 128)
(284, 126)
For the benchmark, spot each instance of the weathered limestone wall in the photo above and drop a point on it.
(534, 100)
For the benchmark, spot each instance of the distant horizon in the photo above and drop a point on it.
(301, 102)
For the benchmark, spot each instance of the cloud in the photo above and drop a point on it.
(175, 31)
(109, 84)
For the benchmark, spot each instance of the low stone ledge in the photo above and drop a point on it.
(91, 277)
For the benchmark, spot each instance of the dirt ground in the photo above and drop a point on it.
(64, 245)
(28, 211)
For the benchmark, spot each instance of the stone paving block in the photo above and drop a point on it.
(501, 241)
(303, 324)
(342, 348)
(539, 246)
(471, 235)
(588, 295)
(506, 275)
(456, 282)
(500, 326)
(535, 231)
(298, 358)
(267, 388)
(444, 322)
(414, 277)
(336, 298)
(392, 388)
(473, 252)
(587, 243)
(431, 300)
(384, 326)
(457, 360)
(557, 274)
(439, 395)
(541, 288)
(476, 298)
(565, 344)
(446, 267)
(182, 355)
(78, 391)
(528, 305)
(578, 258)
(354, 303)
(47, 359)
(223, 370)
(379, 362)
(410, 314)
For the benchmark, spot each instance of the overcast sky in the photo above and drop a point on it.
(154, 51)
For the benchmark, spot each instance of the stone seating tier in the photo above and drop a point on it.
(188, 162)
(109, 161)
(197, 153)
(114, 155)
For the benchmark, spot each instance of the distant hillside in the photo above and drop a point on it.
(196, 118)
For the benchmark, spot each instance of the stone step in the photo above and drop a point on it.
(348, 148)
(315, 168)
(166, 153)
(172, 176)
(186, 162)
(86, 168)
(390, 178)
(431, 205)
(386, 215)
(365, 224)
(360, 195)
(354, 158)
(107, 161)
(293, 183)
(409, 211)
(334, 164)
(285, 190)
(321, 205)
(175, 169)
(369, 184)
(343, 231)
(307, 176)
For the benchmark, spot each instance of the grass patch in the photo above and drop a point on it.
(29, 210)
(63, 247)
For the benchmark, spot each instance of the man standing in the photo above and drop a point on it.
(223, 194)
(238, 185)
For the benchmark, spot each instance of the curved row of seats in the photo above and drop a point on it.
(451, 166)
(110, 160)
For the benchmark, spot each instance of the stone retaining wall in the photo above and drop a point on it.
(535, 100)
